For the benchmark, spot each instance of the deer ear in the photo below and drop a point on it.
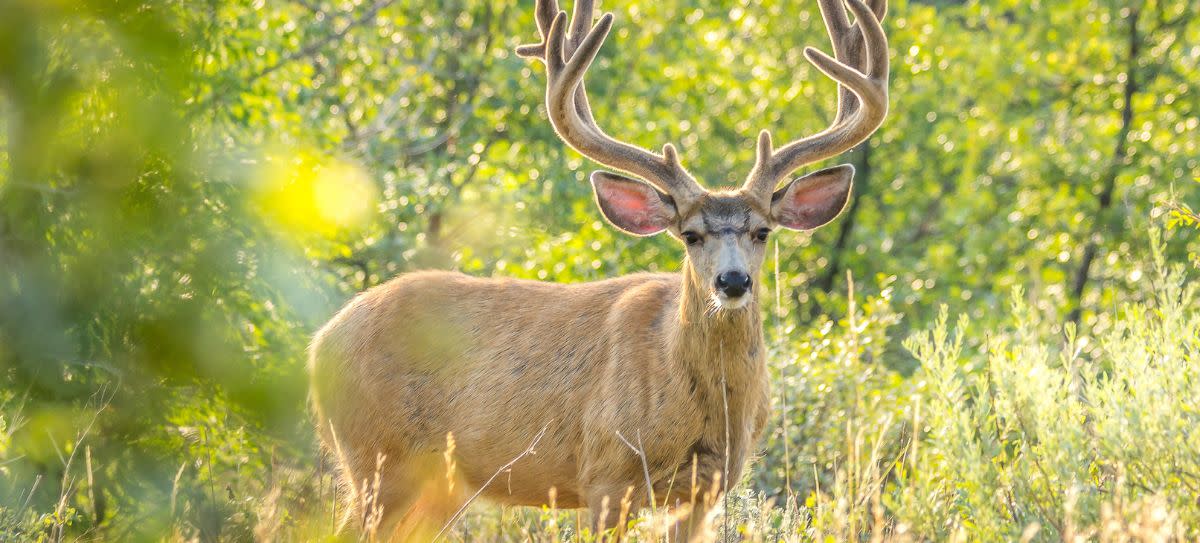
(631, 205)
(813, 200)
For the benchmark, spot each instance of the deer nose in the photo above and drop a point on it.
(733, 283)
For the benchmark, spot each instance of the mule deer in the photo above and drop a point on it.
(638, 386)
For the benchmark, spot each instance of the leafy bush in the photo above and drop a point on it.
(1033, 436)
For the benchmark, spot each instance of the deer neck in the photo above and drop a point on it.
(709, 341)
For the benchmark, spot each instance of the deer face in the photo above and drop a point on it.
(725, 232)
(726, 236)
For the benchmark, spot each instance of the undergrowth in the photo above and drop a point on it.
(1007, 433)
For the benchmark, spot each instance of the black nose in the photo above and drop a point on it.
(733, 283)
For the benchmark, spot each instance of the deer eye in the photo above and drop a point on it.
(761, 234)
(691, 238)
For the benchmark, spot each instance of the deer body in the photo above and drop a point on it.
(587, 395)
(433, 353)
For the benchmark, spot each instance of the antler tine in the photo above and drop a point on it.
(544, 13)
(581, 23)
(833, 12)
(567, 59)
(861, 70)
(875, 39)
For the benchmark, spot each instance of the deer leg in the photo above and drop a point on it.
(696, 497)
(611, 507)
(429, 514)
(696, 527)
(391, 506)
(379, 491)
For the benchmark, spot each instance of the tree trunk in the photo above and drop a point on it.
(1120, 157)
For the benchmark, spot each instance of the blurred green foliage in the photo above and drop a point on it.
(188, 189)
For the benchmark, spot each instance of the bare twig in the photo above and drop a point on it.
(103, 397)
(641, 454)
(175, 486)
(725, 473)
(531, 449)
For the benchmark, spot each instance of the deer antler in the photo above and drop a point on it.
(567, 59)
(861, 71)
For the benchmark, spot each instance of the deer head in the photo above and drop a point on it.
(725, 231)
